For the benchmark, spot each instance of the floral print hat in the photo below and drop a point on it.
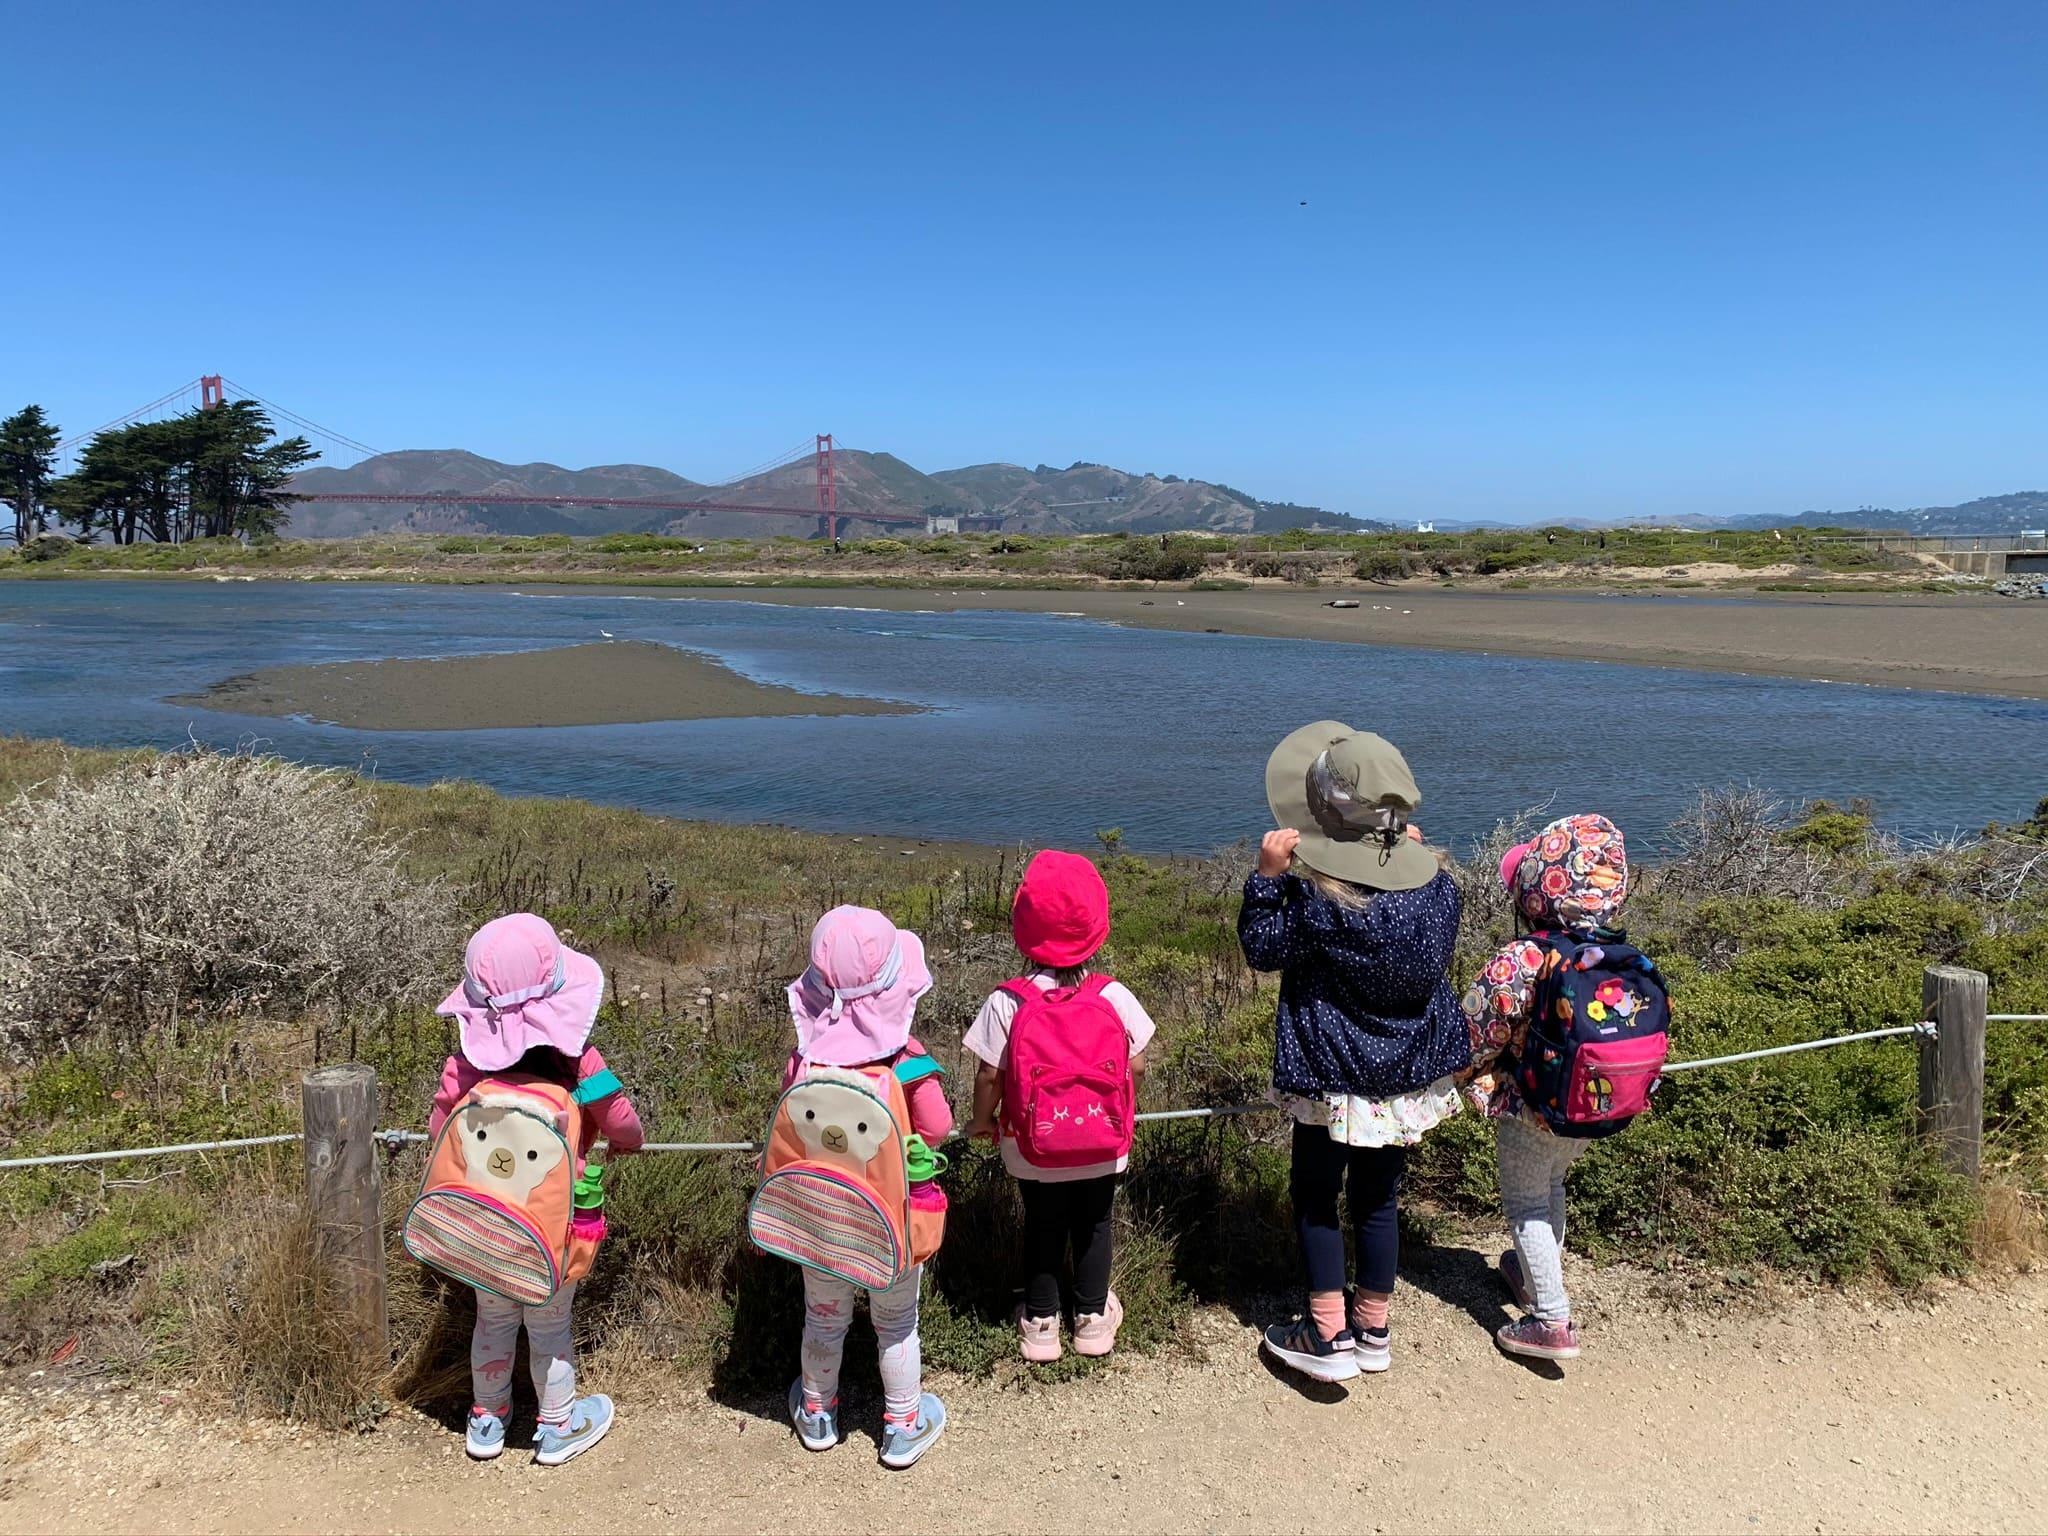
(1571, 874)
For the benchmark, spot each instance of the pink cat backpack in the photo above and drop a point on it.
(1068, 1098)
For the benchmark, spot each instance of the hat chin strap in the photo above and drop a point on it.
(892, 967)
(498, 1002)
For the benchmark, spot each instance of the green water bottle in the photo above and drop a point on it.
(920, 1161)
(586, 1219)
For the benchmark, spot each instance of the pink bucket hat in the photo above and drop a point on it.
(855, 1002)
(522, 987)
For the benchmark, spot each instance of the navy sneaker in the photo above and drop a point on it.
(1299, 1347)
(1374, 1351)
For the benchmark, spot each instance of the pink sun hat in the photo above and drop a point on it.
(855, 1002)
(1512, 861)
(522, 987)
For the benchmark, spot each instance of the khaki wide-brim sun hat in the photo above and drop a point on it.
(1349, 794)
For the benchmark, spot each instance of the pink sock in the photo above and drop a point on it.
(1369, 1310)
(1326, 1310)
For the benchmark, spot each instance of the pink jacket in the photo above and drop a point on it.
(612, 1117)
(930, 1115)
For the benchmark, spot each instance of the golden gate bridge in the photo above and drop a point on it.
(211, 390)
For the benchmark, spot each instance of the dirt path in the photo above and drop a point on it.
(1829, 1414)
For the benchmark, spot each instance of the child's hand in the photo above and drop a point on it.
(980, 1130)
(1276, 852)
(1414, 833)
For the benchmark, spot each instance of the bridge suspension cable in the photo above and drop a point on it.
(339, 439)
(79, 439)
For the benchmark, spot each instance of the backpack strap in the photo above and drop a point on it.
(599, 1085)
(915, 1069)
(1022, 988)
(1094, 985)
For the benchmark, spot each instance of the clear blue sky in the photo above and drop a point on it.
(1557, 258)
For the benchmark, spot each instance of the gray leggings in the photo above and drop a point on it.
(1532, 1167)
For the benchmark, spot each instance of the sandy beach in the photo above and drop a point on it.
(1957, 644)
(607, 684)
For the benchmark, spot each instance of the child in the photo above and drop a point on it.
(1567, 884)
(1060, 919)
(853, 1007)
(1368, 1032)
(525, 1009)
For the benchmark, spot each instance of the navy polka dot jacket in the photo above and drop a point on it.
(1366, 1005)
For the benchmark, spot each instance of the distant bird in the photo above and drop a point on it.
(606, 633)
(1179, 603)
(1304, 202)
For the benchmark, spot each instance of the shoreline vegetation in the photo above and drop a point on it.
(1786, 560)
(627, 683)
(282, 916)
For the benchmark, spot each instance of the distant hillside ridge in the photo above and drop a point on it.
(2006, 514)
(1082, 498)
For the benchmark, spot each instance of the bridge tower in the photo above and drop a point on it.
(211, 393)
(828, 490)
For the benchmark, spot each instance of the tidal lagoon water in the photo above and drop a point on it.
(1037, 728)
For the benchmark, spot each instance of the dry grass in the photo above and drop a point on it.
(203, 883)
(261, 1329)
(2012, 1226)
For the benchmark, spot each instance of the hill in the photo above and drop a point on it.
(1094, 498)
(1082, 498)
(1987, 514)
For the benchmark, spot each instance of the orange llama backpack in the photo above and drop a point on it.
(496, 1205)
(835, 1183)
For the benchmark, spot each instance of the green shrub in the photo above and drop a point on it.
(638, 544)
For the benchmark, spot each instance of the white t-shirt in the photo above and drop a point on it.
(989, 1040)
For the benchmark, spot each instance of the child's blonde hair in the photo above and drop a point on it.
(1342, 892)
(1354, 897)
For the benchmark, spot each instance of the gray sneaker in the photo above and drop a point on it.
(589, 1420)
(901, 1447)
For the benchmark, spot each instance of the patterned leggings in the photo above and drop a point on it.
(550, 1351)
(828, 1311)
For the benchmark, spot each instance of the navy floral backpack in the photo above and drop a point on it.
(1599, 1031)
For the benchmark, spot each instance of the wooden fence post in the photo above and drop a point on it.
(344, 1195)
(1952, 1064)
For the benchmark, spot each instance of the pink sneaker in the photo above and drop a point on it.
(1038, 1338)
(1537, 1340)
(1095, 1332)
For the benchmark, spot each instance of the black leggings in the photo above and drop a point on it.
(1318, 1174)
(1055, 1215)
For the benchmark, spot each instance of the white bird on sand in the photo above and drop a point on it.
(1179, 602)
(606, 633)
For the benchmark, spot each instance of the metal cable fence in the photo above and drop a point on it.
(393, 1140)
